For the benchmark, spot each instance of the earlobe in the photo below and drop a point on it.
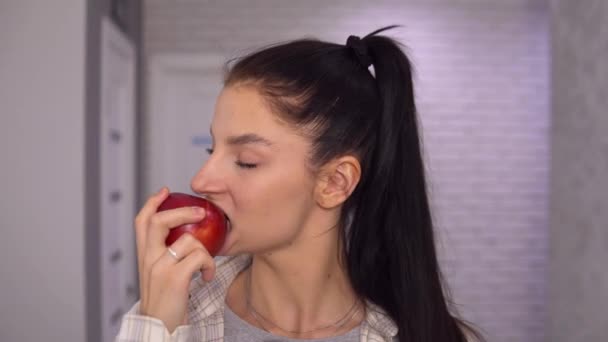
(337, 181)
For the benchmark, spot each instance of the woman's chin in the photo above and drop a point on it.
(227, 248)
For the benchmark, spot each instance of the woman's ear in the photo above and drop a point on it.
(337, 181)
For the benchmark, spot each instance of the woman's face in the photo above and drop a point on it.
(256, 173)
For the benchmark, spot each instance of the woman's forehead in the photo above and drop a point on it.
(242, 109)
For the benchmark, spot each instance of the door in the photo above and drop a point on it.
(117, 132)
(182, 90)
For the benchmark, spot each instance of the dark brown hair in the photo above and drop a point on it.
(386, 225)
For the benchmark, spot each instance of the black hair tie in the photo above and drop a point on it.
(360, 49)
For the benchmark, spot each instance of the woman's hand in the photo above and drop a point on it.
(164, 279)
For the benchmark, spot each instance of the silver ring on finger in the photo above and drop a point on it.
(173, 253)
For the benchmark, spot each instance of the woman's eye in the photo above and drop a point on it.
(246, 165)
(238, 162)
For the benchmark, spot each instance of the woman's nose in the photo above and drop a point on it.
(208, 179)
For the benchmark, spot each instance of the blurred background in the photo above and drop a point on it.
(104, 101)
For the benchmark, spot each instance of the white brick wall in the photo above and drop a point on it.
(482, 91)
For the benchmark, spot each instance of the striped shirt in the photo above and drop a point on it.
(206, 313)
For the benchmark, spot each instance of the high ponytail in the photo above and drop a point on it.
(391, 253)
(386, 225)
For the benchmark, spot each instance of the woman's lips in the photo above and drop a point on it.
(228, 225)
(222, 249)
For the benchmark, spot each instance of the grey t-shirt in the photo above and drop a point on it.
(238, 330)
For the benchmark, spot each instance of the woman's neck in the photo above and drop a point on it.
(302, 287)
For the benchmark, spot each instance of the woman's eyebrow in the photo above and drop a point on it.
(244, 139)
(249, 138)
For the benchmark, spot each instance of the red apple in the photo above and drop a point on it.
(211, 231)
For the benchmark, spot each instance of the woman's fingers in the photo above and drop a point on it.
(192, 256)
(198, 259)
(170, 277)
(183, 246)
(141, 226)
(143, 217)
(162, 222)
(151, 206)
(164, 279)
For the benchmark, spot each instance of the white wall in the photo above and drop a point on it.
(483, 94)
(42, 55)
(579, 166)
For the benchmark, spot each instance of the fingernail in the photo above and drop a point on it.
(198, 211)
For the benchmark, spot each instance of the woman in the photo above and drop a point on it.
(317, 163)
